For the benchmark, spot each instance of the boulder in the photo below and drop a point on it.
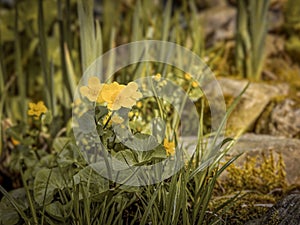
(253, 101)
(254, 144)
(285, 119)
(284, 212)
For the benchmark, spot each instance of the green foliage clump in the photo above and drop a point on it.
(263, 175)
(260, 181)
(251, 34)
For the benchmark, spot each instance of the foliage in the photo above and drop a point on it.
(250, 38)
(61, 188)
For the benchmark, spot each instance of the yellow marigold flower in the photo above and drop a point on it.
(118, 96)
(115, 119)
(157, 77)
(139, 104)
(130, 114)
(92, 90)
(110, 92)
(187, 76)
(36, 109)
(14, 141)
(195, 84)
(169, 146)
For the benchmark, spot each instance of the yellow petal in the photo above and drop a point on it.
(84, 91)
(93, 81)
(117, 119)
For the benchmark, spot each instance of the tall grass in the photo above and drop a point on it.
(250, 37)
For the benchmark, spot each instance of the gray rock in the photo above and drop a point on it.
(254, 145)
(284, 212)
(253, 101)
(219, 23)
(285, 119)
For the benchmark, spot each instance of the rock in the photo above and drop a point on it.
(253, 101)
(219, 23)
(285, 119)
(284, 212)
(274, 45)
(254, 144)
(201, 4)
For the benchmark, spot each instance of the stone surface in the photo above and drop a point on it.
(254, 145)
(285, 119)
(253, 101)
(284, 212)
(219, 23)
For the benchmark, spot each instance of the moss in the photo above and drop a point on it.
(261, 181)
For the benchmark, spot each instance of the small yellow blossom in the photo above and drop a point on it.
(115, 119)
(14, 141)
(162, 83)
(157, 77)
(187, 76)
(130, 114)
(92, 90)
(121, 96)
(37, 109)
(195, 84)
(139, 104)
(110, 92)
(136, 113)
(169, 146)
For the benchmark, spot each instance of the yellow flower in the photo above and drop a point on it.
(130, 114)
(14, 141)
(187, 76)
(118, 96)
(91, 91)
(157, 77)
(115, 119)
(139, 104)
(36, 109)
(169, 146)
(195, 84)
(110, 92)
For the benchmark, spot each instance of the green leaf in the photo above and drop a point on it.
(89, 175)
(126, 156)
(87, 122)
(142, 142)
(59, 211)
(60, 143)
(47, 118)
(45, 184)
(8, 215)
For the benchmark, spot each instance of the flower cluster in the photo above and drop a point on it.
(37, 109)
(169, 146)
(115, 95)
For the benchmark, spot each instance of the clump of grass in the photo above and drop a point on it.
(250, 37)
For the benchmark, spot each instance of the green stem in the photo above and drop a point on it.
(32, 209)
